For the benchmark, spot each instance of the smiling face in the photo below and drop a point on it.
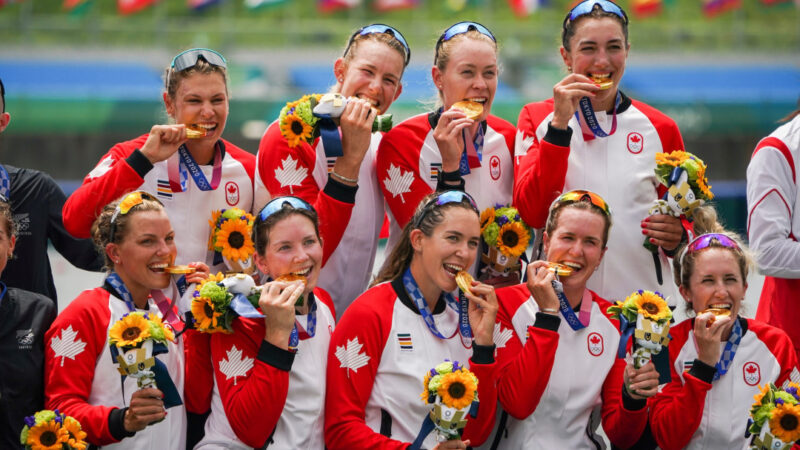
(576, 241)
(201, 99)
(470, 72)
(293, 247)
(716, 281)
(147, 247)
(373, 73)
(598, 49)
(451, 247)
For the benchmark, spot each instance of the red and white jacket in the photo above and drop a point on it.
(693, 412)
(303, 172)
(619, 168)
(553, 377)
(379, 354)
(773, 224)
(409, 161)
(82, 380)
(264, 394)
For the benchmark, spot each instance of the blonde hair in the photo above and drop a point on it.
(101, 228)
(442, 57)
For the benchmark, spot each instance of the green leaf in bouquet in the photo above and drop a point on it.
(382, 123)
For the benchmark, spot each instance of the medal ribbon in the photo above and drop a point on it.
(473, 150)
(187, 163)
(574, 321)
(114, 280)
(729, 351)
(242, 306)
(329, 133)
(590, 119)
(5, 183)
(412, 288)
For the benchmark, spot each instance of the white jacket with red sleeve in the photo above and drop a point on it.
(694, 412)
(379, 354)
(264, 394)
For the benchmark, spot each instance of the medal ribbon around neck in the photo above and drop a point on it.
(590, 119)
(114, 280)
(472, 156)
(412, 288)
(244, 308)
(187, 163)
(729, 351)
(5, 183)
(574, 321)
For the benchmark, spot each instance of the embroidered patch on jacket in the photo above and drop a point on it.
(752, 373)
(687, 366)
(595, 344)
(404, 339)
(163, 190)
(494, 167)
(25, 339)
(435, 169)
(635, 143)
(331, 161)
(232, 193)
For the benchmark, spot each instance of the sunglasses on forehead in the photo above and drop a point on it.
(706, 240)
(126, 205)
(581, 195)
(379, 28)
(277, 204)
(443, 199)
(584, 8)
(188, 58)
(461, 28)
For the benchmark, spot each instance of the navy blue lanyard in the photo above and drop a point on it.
(412, 288)
(591, 119)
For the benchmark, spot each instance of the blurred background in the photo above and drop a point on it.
(81, 75)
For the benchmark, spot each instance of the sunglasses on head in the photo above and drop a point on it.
(443, 199)
(277, 204)
(706, 240)
(188, 58)
(461, 28)
(125, 205)
(380, 28)
(586, 7)
(581, 195)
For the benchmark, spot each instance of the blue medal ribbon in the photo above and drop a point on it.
(5, 183)
(242, 306)
(729, 352)
(464, 166)
(119, 286)
(412, 288)
(329, 133)
(566, 310)
(197, 173)
(590, 119)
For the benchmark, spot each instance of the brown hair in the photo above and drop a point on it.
(705, 221)
(426, 219)
(597, 13)
(261, 228)
(174, 77)
(386, 38)
(7, 220)
(555, 213)
(101, 228)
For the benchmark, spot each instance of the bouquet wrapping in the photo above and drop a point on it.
(645, 316)
(230, 239)
(505, 237)
(775, 418)
(52, 430)
(452, 390)
(135, 340)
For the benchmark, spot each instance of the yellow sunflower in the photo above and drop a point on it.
(673, 159)
(213, 224)
(233, 238)
(295, 130)
(513, 239)
(204, 314)
(702, 183)
(425, 392)
(47, 436)
(76, 437)
(758, 397)
(652, 305)
(785, 422)
(457, 389)
(129, 331)
(487, 218)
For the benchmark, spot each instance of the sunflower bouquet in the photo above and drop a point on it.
(775, 417)
(646, 316)
(217, 301)
(453, 391)
(52, 430)
(300, 120)
(230, 239)
(135, 339)
(506, 237)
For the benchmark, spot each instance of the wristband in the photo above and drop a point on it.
(450, 176)
(343, 178)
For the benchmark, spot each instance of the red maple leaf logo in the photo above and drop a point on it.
(232, 189)
(495, 163)
(751, 369)
(635, 139)
(594, 339)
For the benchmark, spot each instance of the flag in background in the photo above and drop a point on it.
(646, 8)
(258, 4)
(126, 7)
(712, 8)
(69, 5)
(524, 8)
(199, 5)
(391, 5)
(335, 5)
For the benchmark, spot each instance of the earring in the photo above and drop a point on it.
(341, 80)
(569, 69)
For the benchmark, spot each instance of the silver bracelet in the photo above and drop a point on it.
(548, 310)
(342, 178)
